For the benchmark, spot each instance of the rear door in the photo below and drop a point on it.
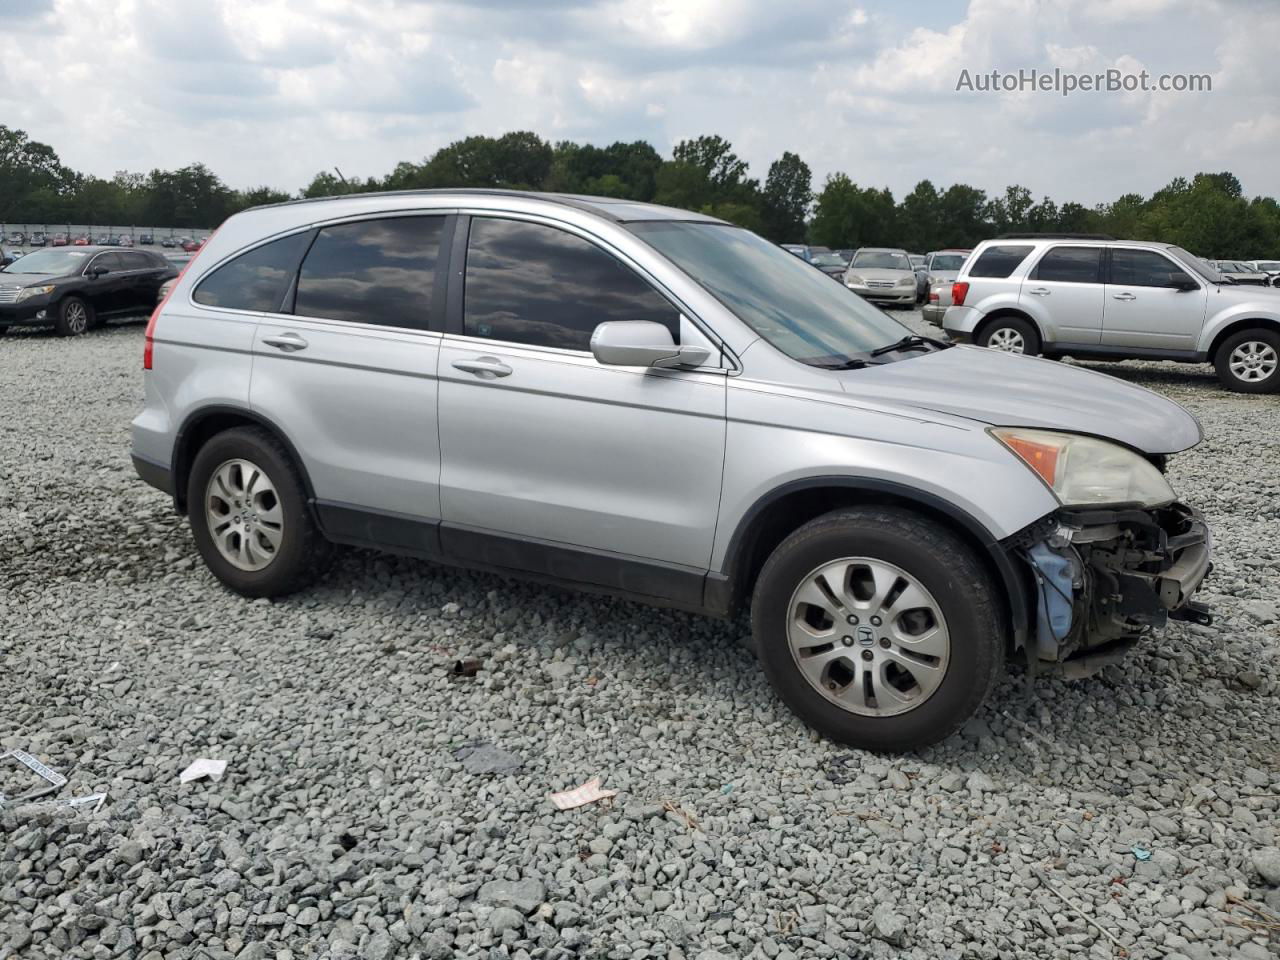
(347, 368)
(1066, 282)
(1145, 309)
(142, 281)
(556, 463)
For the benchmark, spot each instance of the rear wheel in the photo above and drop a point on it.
(1011, 335)
(249, 516)
(878, 628)
(75, 316)
(1249, 361)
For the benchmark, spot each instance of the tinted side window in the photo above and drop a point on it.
(136, 261)
(110, 261)
(1141, 268)
(256, 280)
(1069, 265)
(529, 283)
(372, 271)
(998, 261)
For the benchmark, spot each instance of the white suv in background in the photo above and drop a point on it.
(1093, 296)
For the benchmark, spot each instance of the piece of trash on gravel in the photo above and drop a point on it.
(1141, 853)
(53, 778)
(589, 792)
(466, 667)
(204, 767)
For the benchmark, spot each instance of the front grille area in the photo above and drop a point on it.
(9, 294)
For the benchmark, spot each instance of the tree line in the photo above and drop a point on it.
(1208, 214)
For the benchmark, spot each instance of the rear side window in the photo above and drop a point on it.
(1069, 265)
(372, 271)
(998, 261)
(109, 261)
(1142, 268)
(257, 280)
(136, 261)
(534, 284)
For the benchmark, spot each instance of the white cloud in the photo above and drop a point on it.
(270, 91)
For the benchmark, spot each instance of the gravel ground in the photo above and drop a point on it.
(376, 805)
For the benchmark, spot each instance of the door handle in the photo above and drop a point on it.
(285, 341)
(1123, 296)
(487, 368)
(1039, 292)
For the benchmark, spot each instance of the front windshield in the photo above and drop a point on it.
(880, 260)
(1201, 267)
(794, 307)
(54, 263)
(948, 261)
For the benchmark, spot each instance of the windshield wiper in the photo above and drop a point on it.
(906, 343)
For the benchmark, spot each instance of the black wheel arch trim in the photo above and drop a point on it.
(183, 457)
(724, 589)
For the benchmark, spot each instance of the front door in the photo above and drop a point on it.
(1145, 309)
(553, 462)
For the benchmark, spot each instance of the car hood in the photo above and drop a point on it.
(1011, 391)
(27, 279)
(880, 273)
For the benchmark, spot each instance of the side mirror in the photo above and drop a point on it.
(96, 272)
(1183, 282)
(642, 343)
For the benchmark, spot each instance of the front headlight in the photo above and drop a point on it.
(854, 280)
(907, 282)
(1084, 471)
(27, 293)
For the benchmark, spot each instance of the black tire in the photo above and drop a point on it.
(942, 564)
(302, 553)
(75, 317)
(1024, 329)
(1257, 339)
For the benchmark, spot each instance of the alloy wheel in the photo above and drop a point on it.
(1008, 340)
(868, 636)
(77, 317)
(1253, 361)
(243, 511)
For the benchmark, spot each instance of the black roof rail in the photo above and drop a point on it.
(1055, 236)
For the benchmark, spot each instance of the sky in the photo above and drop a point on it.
(269, 92)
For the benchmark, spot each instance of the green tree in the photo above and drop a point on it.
(788, 191)
(920, 218)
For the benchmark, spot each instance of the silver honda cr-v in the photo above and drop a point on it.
(654, 403)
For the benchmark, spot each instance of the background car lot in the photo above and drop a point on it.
(347, 815)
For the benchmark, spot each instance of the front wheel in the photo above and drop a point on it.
(878, 628)
(1249, 361)
(74, 317)
(249, 517)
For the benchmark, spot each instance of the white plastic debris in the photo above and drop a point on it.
(55, 780)
(213, 769)
(589, 792)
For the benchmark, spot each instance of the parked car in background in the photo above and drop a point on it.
(1119, 300)
(846, 254)
(60, 239)
(882, 273)
(18, 238)
(191, 246)
(894, 512)
(81, 241)
(124, 240)
(922, 275)
(1238, 271)
(77, 289)
(37, 240)
(104, 240)
(168, 242)
(8, 256)
(1270, 267)
(146, 239)
(941, 267)
(829, 262)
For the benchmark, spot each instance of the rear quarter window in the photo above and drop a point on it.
(999, 261)
(257, 280)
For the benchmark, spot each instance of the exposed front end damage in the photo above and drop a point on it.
(1103, 578)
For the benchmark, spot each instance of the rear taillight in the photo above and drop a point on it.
(148, 347)
(959, 290)
(933, 296)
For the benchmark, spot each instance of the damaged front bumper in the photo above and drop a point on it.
(1103, 578)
